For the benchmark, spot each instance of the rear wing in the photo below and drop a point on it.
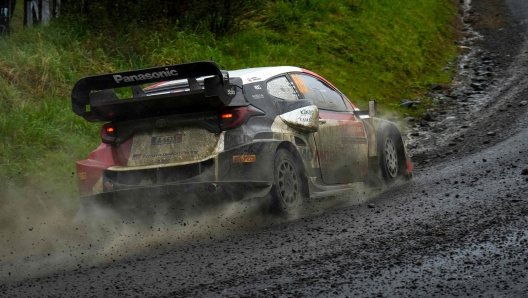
(94, 98)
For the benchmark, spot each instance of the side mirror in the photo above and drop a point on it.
(305, 119)
(373, 108)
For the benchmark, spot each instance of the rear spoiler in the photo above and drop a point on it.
(94, 98)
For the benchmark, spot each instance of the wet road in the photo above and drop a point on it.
(458, 229)
(519, 8)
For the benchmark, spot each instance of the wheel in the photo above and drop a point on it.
(286, 192)
(389, 150)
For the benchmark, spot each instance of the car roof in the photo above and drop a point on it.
(251, 75)
(248, 75)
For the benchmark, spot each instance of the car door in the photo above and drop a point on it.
(341, 142)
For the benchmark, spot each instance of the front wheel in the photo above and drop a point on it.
(391, 162)
(286, 192)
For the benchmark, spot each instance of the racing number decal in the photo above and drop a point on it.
(300, 83)
(162, 140)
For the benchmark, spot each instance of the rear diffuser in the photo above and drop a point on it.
(169, 200)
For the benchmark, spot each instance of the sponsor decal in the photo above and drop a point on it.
(166, 140)
(300, 83)
(306, 120)
(82, 175)
(146, 76)
(136, 156)
(258, 96)
(258, 87)
(306, 116)
(254, 79)
(231, 91)
(244, 158)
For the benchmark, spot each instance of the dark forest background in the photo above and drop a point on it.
(216, 16)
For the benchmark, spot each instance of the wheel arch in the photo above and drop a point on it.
(376, 127)
(299, 162)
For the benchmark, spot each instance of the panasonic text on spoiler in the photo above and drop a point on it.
(146, 76)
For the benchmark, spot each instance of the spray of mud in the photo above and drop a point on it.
(42, 242)
(38, 241)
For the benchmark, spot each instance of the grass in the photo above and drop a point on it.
(370, 49)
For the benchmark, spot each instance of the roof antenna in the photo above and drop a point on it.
(212, 58)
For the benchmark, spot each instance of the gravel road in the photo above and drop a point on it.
(458, 229)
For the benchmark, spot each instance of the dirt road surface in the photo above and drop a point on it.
(460, 228)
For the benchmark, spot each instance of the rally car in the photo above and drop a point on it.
(202, 133)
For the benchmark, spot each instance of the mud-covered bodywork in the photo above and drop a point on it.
(215, 133)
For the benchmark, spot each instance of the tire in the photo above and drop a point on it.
(390, 154)
(286, 193)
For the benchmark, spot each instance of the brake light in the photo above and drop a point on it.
(108, 134)
(231, 118)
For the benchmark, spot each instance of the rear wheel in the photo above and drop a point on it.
(287, 190)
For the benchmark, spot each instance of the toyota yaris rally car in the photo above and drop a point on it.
(283, 133)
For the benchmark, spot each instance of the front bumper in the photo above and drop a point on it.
(168, 199)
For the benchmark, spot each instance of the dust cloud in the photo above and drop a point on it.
(37, 240)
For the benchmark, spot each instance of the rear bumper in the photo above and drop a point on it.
(170, 198)
(250, 162)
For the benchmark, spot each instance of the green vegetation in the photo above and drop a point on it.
(370, 49)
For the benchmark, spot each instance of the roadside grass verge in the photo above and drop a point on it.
(377, 49)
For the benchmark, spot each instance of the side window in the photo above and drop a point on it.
(282, 88)
(322, 95)
(348, 105)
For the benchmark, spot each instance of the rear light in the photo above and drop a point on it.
(231, 118)
(108, 134)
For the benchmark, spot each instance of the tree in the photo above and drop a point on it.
(40, 11)
(216, 16)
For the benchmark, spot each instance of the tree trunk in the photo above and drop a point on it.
(46, 13)
(5, 16)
